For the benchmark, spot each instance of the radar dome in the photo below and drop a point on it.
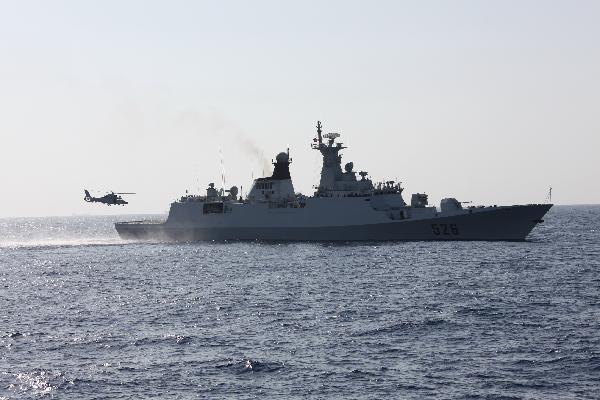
(349, 166)
(282, 157)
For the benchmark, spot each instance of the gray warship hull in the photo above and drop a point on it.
(343, 208)
(506, 223)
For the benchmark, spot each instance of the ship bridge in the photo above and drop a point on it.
(277, 187)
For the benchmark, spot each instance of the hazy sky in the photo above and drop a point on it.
(485, 101)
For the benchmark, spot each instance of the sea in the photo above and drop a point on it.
(86, 315)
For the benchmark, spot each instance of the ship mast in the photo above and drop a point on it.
(331, 170)
(319, 126)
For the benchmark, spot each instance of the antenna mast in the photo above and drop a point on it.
(319, 126)
(549, 196)
(222, 169)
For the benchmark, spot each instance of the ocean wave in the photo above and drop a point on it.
(39, 381)
(247, 365)
(402, 327)
(170, 338)
(37, 244)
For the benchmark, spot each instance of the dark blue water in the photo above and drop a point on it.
(86, 316)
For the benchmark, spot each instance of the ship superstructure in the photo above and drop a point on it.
(343, 207)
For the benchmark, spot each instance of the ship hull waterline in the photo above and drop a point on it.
(512, 223)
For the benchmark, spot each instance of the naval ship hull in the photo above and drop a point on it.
(507, 223)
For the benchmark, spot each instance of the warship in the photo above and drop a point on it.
(343, 207)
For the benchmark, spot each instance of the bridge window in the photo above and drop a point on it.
(212, 208)
(264, 185)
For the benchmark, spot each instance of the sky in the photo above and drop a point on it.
(486, 101)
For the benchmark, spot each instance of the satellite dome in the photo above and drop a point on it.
(282, 157)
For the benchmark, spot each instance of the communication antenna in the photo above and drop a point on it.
(198, 179)
(549, 195)
(222, 169)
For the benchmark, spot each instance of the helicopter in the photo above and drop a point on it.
(109, 199)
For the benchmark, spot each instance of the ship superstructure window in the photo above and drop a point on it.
(264, 185)
(212, 208)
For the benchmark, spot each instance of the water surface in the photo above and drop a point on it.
(84, 315)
